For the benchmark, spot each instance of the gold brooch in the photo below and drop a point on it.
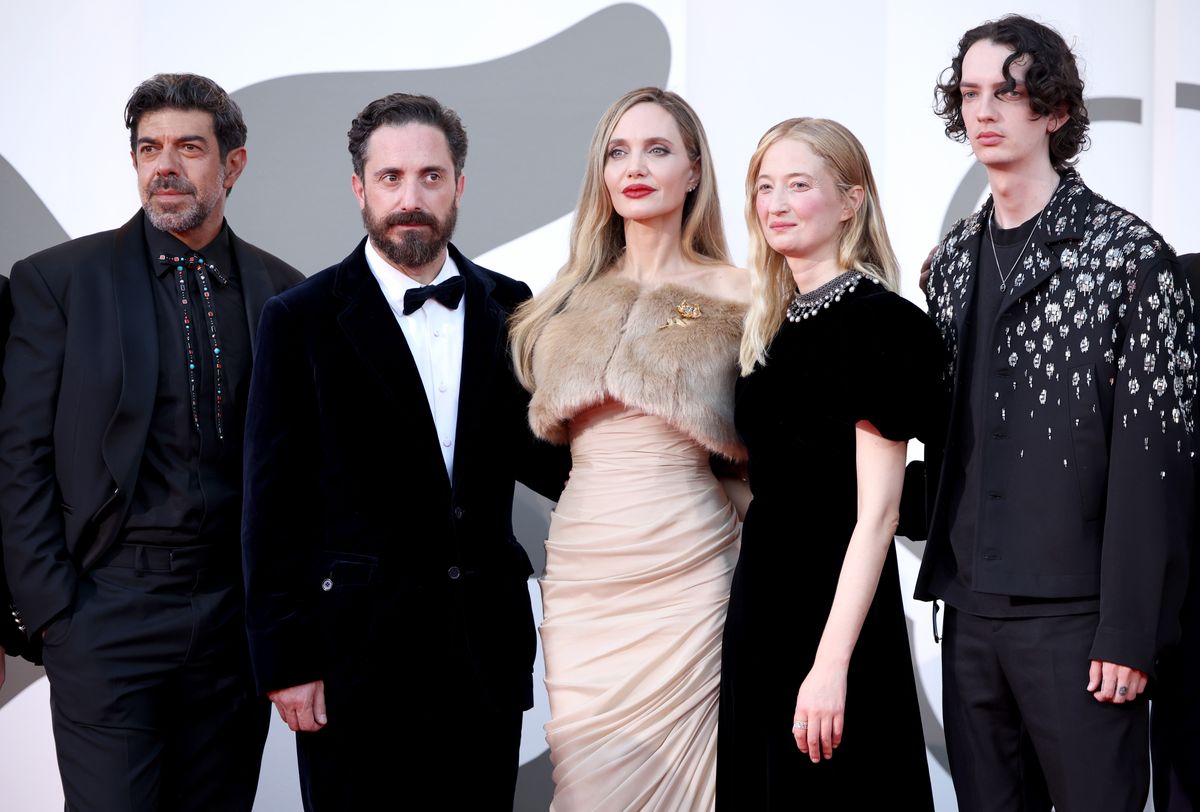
(685, 311)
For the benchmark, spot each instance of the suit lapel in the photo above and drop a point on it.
(125, 437)
(1061, 221)
(484, 351)
(256, 284)
(370, 326)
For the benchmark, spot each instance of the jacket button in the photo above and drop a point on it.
(327, 584)
(454, 573)
(458, 512)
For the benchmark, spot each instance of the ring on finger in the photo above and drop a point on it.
(798, 725)
(1122, 690)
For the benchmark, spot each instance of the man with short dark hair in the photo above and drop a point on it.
(387, 598)
(1058, 531)
(120, 471)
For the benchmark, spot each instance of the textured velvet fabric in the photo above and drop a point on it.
(871, 356)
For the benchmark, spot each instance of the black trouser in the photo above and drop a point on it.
(1021, 729)
(387, 748)
(150, 688)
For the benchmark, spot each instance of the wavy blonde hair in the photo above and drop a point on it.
(598, 232)
(862, 246)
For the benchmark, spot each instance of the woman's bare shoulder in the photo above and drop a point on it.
(729, 282)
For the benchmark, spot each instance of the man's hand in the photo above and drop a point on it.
(923, 283)
(302, 707)
(1109, 682)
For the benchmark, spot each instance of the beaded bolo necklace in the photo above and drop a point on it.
(203, 271)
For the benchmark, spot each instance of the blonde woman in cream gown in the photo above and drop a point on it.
(631, 356)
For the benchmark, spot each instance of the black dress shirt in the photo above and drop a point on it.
(954, 580)
(189, 487)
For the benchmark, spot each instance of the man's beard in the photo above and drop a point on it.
(416, 248)
(184, 219)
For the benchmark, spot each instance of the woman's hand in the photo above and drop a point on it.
(820, 712)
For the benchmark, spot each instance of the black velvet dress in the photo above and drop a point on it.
(874, 356)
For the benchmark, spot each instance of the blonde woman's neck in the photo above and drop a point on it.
(811, 274)
(653, 254)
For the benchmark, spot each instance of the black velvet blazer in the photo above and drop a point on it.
(361, 556)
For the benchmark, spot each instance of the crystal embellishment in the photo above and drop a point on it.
(807, 305)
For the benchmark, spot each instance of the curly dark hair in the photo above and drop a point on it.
(1052, 82)
(397, 109)
(187, 91)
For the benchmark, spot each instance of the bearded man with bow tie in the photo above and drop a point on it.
(387, 595)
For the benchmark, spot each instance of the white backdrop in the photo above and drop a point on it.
(67, 68)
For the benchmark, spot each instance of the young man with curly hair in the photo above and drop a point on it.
(1063, 490)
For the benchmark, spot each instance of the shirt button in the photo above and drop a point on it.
(437, 333)
(458, 512)
(447, 443)
(442, 387)
(327, 584)
(454, 573)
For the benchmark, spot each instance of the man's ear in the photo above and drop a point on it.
(359, 192)
(235, 162)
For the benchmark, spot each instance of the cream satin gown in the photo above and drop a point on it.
(639, 558)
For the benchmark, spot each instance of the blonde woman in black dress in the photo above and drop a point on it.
(818, 703)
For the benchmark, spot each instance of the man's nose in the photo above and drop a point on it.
(168, 162)
(985, 110)
(409, 197)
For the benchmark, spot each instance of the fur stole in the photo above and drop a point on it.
(614, 340)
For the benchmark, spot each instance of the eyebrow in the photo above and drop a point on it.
(651, 140)
(764, 176)
(395, 170)
(145, 139)
(977, 86)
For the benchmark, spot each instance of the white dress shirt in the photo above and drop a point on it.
(435, 338)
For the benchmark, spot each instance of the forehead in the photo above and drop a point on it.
(984, 62)
(789, 156)
(173, 123)
(413, 144)
(647, 120)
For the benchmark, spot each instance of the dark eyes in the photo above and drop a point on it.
(971, 95)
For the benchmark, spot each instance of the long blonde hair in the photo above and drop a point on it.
(598, 232)
(862, 246)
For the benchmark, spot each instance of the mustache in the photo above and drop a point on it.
(412, 218)
(171, 183)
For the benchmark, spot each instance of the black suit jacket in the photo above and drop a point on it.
(83, 352)
(361, 556)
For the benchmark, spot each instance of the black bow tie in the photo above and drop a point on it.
(448, 293)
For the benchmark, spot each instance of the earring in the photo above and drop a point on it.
(692, 188)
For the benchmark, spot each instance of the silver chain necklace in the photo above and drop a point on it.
(992, 239)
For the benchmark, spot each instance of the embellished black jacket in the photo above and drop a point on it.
(1087, 475)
